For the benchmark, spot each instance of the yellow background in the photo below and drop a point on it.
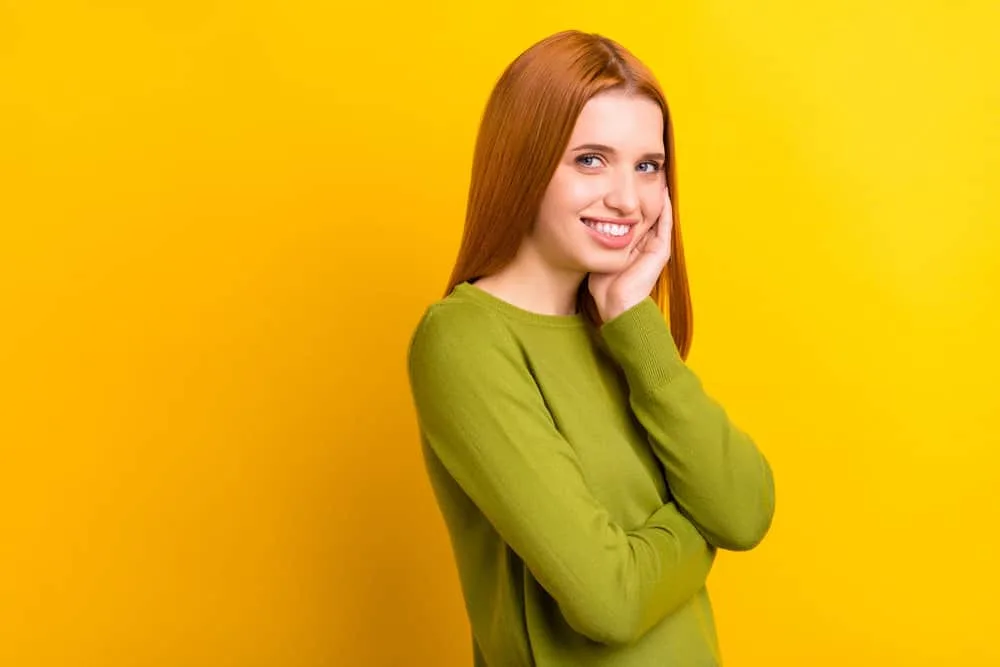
(220, 221)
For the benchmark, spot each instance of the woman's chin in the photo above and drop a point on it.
(608, 264)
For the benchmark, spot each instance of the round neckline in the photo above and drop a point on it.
(506, 308)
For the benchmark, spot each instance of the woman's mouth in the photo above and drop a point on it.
(613, 235)
(607, 228)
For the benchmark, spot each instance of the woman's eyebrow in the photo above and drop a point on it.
(608, 149)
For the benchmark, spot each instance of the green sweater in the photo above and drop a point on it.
(586, 481)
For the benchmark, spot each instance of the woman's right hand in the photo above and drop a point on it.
(614, 293)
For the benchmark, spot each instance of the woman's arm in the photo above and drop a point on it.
(482, 415)
(715, 471)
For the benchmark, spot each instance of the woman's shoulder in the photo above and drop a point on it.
(456, 341)
(458, 320)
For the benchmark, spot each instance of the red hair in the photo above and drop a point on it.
(526, 126)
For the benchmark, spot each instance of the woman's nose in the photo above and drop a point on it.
(622, 194)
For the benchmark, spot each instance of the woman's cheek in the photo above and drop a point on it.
(586, 191)
(652, 204)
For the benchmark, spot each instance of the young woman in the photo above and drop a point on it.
(585, 478)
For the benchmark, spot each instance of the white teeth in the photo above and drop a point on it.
(607, 228)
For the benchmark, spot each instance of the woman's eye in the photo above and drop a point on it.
(589, 160)
(651, 167)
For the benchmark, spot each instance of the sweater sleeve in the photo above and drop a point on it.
(482, 415)
(715, 471)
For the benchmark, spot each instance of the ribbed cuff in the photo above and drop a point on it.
(640, 340)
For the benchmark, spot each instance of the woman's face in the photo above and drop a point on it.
(608, 188)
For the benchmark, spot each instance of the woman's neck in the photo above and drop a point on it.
(535, 287)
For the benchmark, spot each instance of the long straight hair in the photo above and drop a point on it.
(527, 123)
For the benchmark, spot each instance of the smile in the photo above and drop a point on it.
(611, 235)
(607, 228)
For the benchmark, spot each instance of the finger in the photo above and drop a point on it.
(665, 226)
(641, 242)
(666, 219)
(657, 246)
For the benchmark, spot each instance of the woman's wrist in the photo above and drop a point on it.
(615, 308)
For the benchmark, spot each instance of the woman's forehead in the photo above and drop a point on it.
(620, 121)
